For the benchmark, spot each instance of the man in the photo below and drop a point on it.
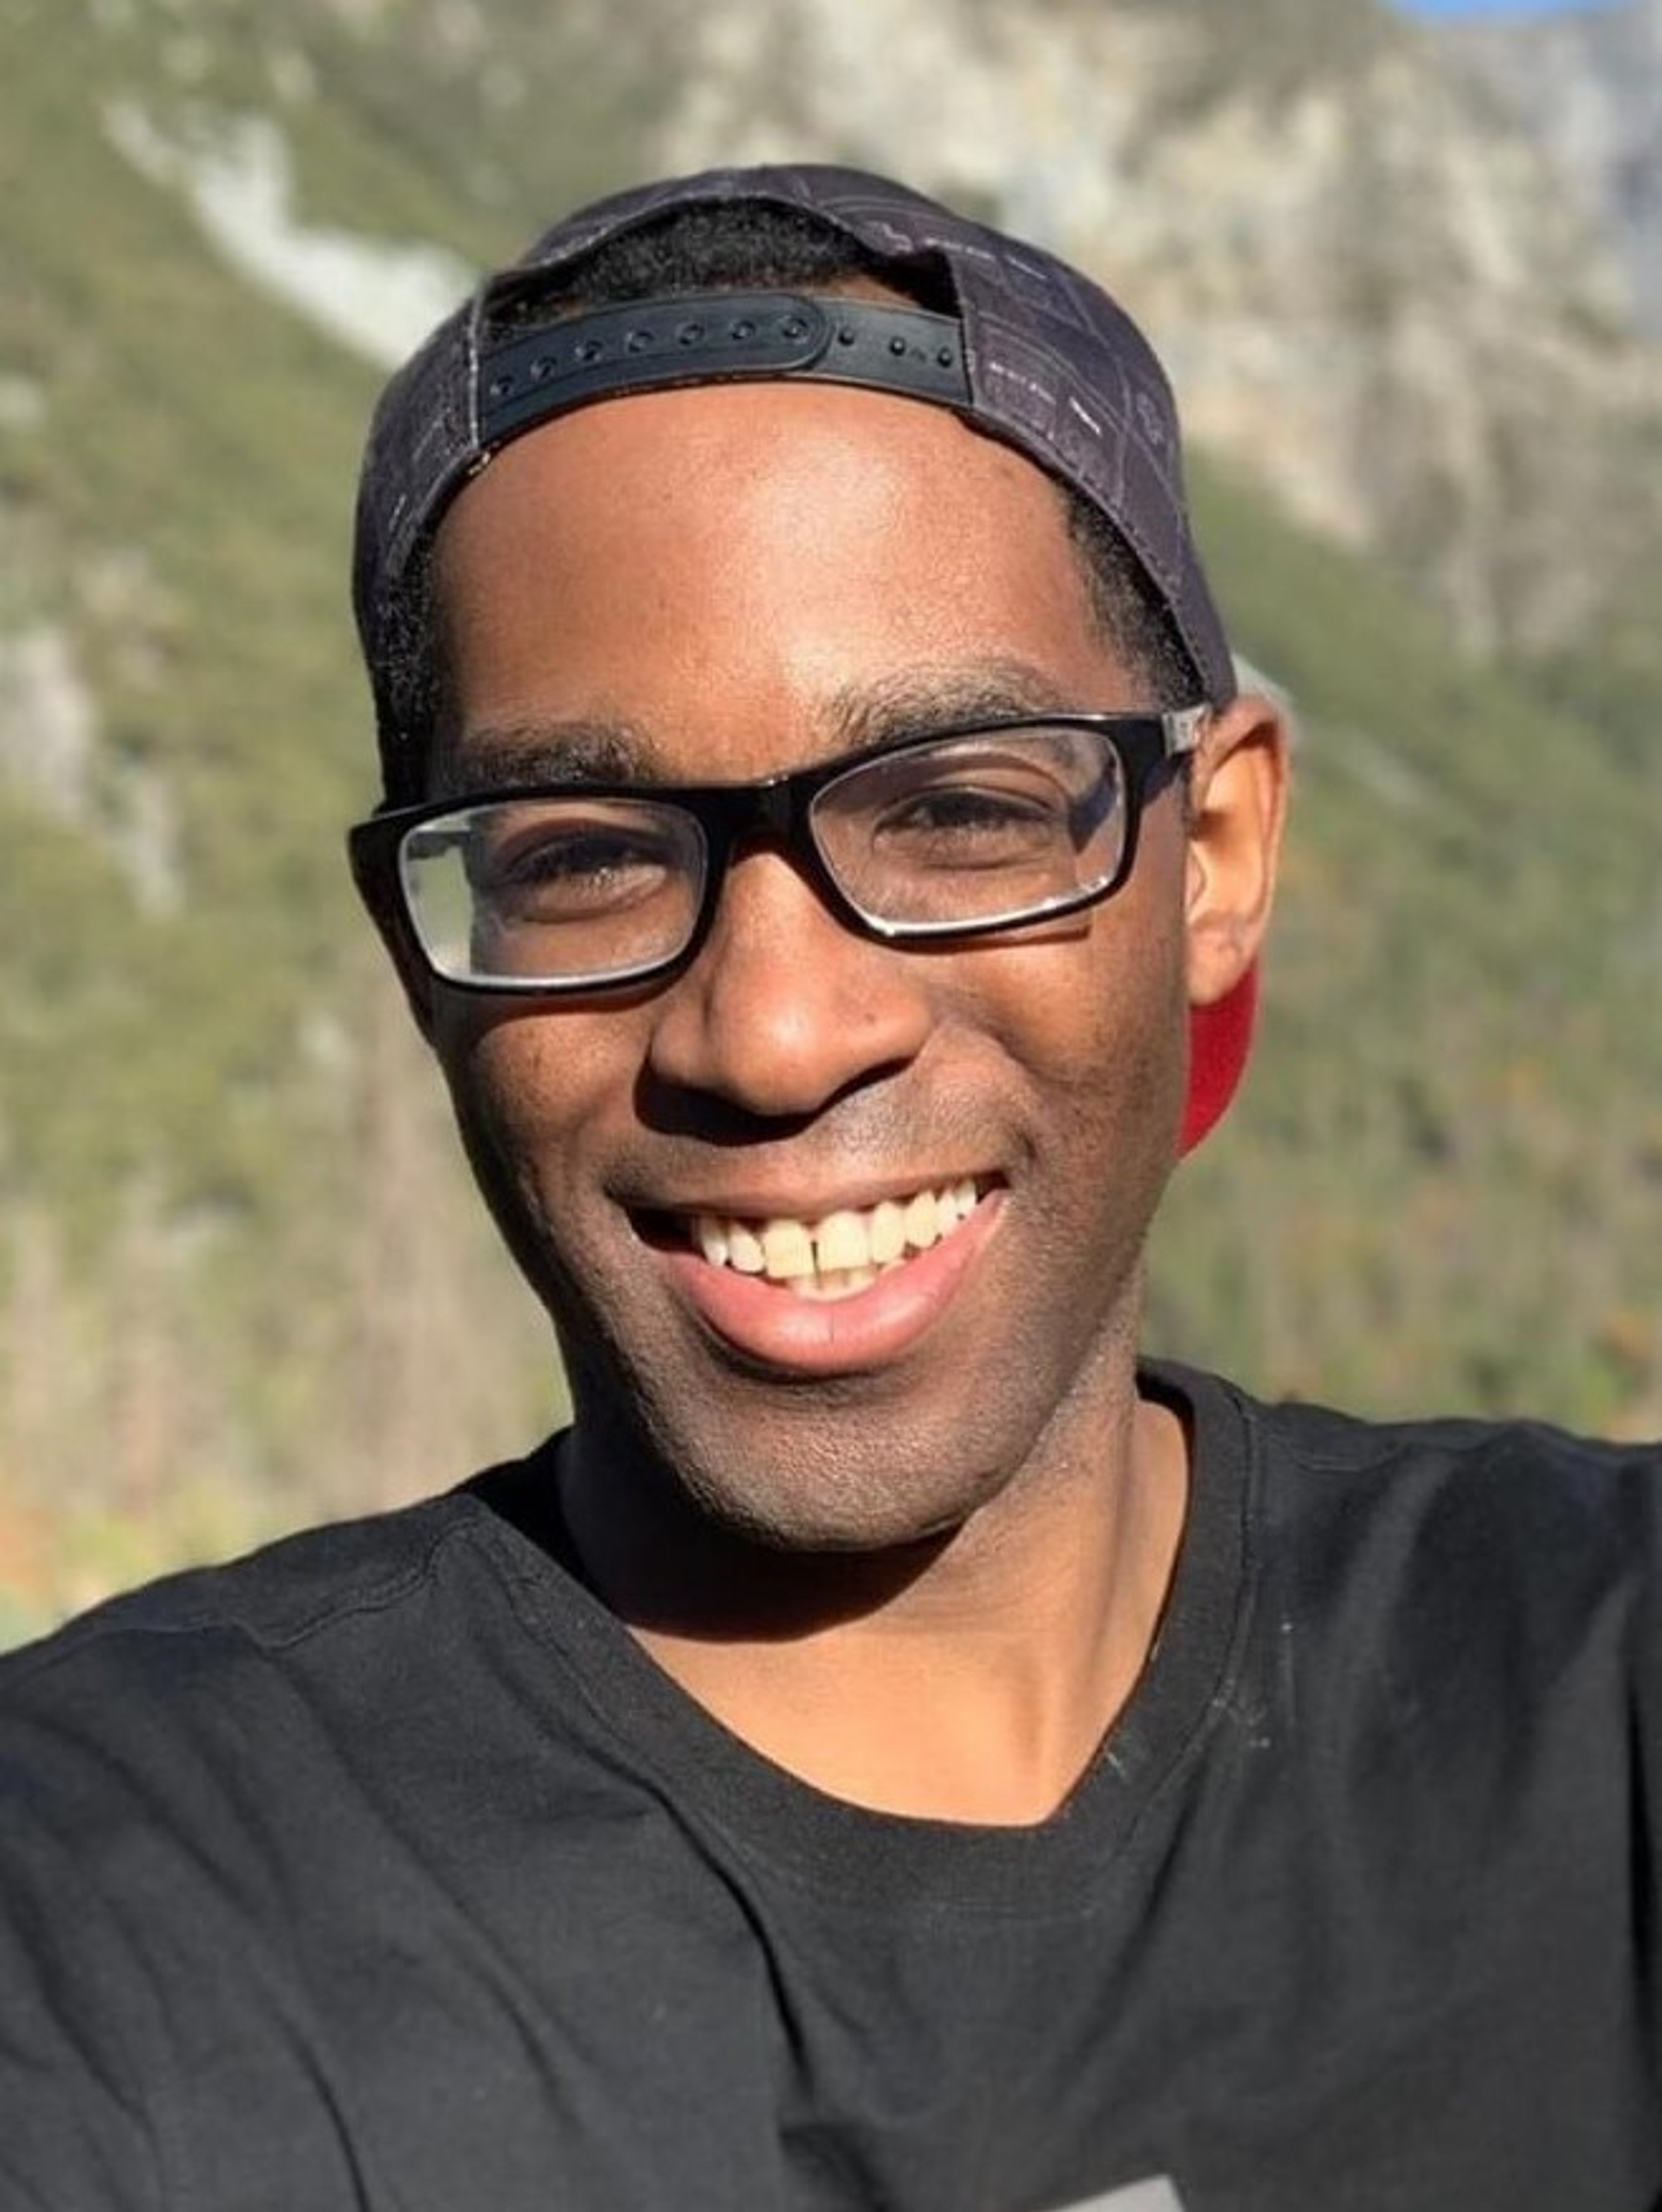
(895, 1749)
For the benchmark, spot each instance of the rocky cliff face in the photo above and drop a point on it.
(1367, 276)
(1587, 87)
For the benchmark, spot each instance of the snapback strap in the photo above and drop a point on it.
(526, 374)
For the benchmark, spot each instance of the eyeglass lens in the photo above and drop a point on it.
(981, 828)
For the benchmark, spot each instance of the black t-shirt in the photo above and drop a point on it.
(384, 1870)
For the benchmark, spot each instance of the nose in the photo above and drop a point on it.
(785, 1006)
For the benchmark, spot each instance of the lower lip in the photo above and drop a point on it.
(772, 1325)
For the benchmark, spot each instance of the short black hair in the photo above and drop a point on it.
(762, 246)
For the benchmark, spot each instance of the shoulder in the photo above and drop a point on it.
(279, 1596)
(1501, 1566)
(202, 1779)
(197, 1747)
(185, 1670)
(1523, 1480)
(1535, 1491)
(1512, 1565)
(1321, 1437)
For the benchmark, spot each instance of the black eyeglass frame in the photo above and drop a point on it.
(777, 810)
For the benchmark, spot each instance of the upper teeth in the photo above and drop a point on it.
(841, 1244)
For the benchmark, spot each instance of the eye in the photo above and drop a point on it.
(556, 866)
(972, 824)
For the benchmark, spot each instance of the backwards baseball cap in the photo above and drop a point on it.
(1031, 353)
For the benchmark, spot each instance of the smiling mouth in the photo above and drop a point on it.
(843, 1252)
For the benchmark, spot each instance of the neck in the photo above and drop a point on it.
(965, 1677)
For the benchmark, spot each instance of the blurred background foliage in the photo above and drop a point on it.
(242, 1280)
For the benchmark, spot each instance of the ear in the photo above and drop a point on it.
(1236, 802)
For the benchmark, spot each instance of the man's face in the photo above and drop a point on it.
(719, 584)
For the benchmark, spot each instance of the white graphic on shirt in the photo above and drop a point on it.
(1156, 2195)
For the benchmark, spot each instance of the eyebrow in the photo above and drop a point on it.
(908, 704)
(913, 701)
(502, 755)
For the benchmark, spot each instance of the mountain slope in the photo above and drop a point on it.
(241, 1280)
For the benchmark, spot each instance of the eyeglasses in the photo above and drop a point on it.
(582, 886)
